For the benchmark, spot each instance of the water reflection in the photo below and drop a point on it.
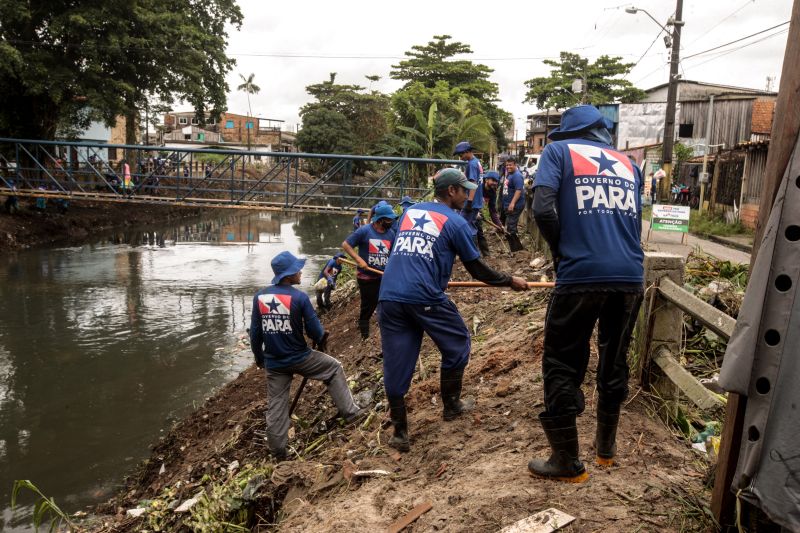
(101, 345)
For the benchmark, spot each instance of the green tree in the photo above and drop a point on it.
(63, 64)
(326, 131)
(249, 88)
(433, 63)
(365, 113)
(602, 82)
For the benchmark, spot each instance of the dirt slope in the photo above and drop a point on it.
(472, 470)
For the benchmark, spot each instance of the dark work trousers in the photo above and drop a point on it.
(512, 219)
(402, 326)
(369, 289)
(324, 298)
(568, 329)
(483, 244)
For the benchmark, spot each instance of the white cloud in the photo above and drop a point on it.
(495, 32)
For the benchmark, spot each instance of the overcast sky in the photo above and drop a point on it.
(510, 37)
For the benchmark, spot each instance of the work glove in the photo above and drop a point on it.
(322, 344)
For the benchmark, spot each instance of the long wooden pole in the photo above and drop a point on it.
(785, 129)
(463, 284)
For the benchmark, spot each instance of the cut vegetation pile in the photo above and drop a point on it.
(212, 471)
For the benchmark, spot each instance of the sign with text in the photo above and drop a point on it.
(670, 218)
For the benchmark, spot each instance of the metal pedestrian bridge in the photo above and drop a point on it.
(220, 178)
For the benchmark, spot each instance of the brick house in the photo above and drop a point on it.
(539, 126)
(230, 128)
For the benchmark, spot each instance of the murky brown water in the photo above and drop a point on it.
(103, 346)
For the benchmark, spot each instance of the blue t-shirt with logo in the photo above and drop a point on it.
(356, 222)
(512, 184)
(280, 312)
(599, 210)
(373, 247)
(335, 267)
(474, 173)
(431, 235)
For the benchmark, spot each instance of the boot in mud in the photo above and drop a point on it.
(397, 412)
(483, 245)
(451, 380)
(514, 244)
(363, 327)
(606, 436)
(563, 464)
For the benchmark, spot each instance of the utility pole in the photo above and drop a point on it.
(672, 96)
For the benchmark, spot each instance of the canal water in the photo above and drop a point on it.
(103, 346)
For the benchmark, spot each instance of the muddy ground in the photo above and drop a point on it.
(29, 228)
(473, 470)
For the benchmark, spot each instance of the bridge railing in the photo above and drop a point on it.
(220, 177)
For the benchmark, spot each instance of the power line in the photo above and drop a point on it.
(726, 52)
(705, 34)
(644, 54)
(737, 40)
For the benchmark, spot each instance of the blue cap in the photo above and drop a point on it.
(359, 211)
(407, 201)
(492, 175)
(383, 211)
(463, 146)
(579, 119)
(285, 264)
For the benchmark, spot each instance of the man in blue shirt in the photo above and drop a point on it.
(588, 207)
(474, 203)
(357, 219)
(374, 242)
(330, 272)
(413, 302)
(512, 203)
(280, 313)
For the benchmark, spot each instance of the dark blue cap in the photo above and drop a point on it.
(579, 119)
(492, 175)
(285, 264)
(463, 146)
(407, 201)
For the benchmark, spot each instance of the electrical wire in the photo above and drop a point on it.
(737, 40)
(705, 33)
(726, 52)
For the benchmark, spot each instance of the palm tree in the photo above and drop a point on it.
(474, 127)
(250, 88)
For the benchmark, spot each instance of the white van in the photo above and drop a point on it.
(529, 165)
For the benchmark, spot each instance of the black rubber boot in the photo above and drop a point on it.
(397, 412)
(515, 245)
(450, 388)
(563, 464)
(363, 327)
(606, 436)
(483, 245)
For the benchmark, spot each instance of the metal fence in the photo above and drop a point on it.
(213, 177)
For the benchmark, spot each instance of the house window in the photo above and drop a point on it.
(539, 123)
(183, 120)
(685, 131)
(212, 121)
(187, 137)
(195, 122)
(541, 142)
(249, 125)
(229, 124)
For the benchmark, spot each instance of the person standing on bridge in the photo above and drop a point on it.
(280, 314)
(127, 180)
(413, 302)
(588, 208)
(374, 241)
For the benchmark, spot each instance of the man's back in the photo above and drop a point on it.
(279, 315)
(599, 207)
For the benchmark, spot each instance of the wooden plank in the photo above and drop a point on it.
(413, 514)
(542, 522)
(707, 314)
(691, 387)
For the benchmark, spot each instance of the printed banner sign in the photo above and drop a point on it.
(670, 218)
